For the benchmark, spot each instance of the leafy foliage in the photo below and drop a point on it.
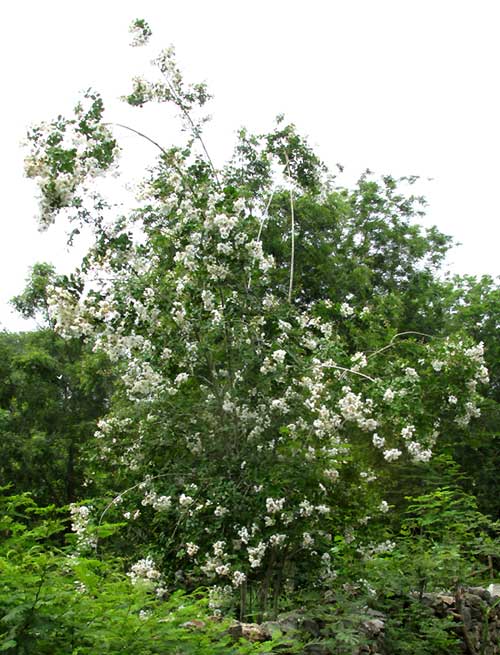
(262, 384)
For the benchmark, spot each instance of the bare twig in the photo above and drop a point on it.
(180, 104)
(400, 334)
(350, 370)
(259, 235)
(144, 136)
(292, 213)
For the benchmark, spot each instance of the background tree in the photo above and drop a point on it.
(51, 393)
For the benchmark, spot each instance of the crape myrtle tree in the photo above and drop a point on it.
(265, 376)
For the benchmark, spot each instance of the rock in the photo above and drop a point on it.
(373, 627)
(194, 624)
(250, 631)
(494, 589)
(272, 627)
(311, 626)
(484, 594)
(289, 622)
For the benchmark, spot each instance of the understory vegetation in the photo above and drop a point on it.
(256, 397)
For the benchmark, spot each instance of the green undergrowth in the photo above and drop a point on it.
(54, 602)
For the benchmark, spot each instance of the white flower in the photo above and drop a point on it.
(223, 569)
(306, 508)
(411, 373)
(192, 549)
(185, 501)
(218, 548)
(482, 375)
(143, 571)
(274, 505)
(389, 396)
(307, 540)
(392, 454)
(331, 474)
(452, 400)
(256, 553)
(279, 405)
(437, 365)
(408, 432)
(378, 442)
(418, 453)
(279, 356)
(346, 310)
(277, 539)
(383, 507)
(238, 578)
(322, 509)
(359, 361)
(179, 379)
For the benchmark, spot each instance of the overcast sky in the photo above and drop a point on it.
(397, 86)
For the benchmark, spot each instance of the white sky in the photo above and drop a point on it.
(397, 86)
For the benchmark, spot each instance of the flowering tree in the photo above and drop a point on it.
(247, 430)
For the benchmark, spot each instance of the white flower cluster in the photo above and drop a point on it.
(346, 310)
(142, 381)
(392, 454)
(307, 540)
(358, 361)
(157, 502)
(219, 597)
(379, 549)
(354, 409)
(274, 505)
(411, 374)
(389, 395)
(418, 453)
(256, 553)
(80, 521)
(185, 501)
(383, 507)
(192, 548)
(80, 144)
(277, 539)
(238, 578)
(470, 411)
(144, 571)
(217, 563)
(66, 313)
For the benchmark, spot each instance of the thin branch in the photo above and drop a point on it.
(155, 143)
(121, 494)
(144, 136)
(350, 370)
(292, 256)
(259, 235)
(179, 103)
(264, 216)
(400, 334)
